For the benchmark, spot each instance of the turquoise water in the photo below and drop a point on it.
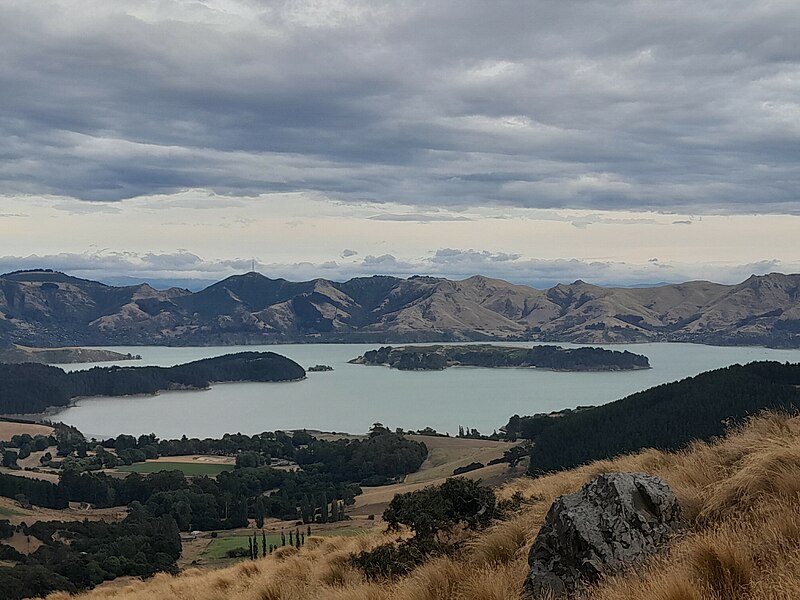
(352, 397)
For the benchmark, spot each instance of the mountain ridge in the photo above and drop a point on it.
(48, 308)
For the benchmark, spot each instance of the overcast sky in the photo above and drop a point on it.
(624, 142)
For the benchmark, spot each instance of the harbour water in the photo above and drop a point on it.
(352, 397)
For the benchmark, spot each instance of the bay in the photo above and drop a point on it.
(353, 397)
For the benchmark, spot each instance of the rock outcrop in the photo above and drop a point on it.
(613, 522)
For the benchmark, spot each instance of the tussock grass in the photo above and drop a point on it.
(741, 496)
(723, 567)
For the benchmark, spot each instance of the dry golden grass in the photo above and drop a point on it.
(741, 496)
(9, 429)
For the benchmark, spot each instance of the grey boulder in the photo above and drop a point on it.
(613, 522)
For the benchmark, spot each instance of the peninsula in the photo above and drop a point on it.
(439, 357)
(14, 353)
(33, 388)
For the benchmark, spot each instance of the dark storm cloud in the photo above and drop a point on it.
(626, 105)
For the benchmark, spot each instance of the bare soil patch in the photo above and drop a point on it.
(24, 544)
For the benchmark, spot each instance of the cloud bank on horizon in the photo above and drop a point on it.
(671, 106)
(184, 269)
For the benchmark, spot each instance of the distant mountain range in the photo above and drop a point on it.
(47, 308)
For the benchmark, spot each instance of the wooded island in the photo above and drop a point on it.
(439, 357)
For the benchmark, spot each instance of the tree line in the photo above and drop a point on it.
(330, 476)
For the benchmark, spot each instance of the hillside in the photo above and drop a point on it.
(738, 494)
(49, 309)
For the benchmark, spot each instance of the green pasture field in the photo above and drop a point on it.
(218, 548)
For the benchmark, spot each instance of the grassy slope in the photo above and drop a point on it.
(9, 429)
(444, 455)
(740, 495)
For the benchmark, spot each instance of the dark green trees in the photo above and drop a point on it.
(666, 417)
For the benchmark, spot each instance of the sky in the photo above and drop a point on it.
(624, 142)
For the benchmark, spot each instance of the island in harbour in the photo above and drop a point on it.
(439, 357)
(319, 369)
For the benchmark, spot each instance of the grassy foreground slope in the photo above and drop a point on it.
(740, 495)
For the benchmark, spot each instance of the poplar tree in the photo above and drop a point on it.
(324, 507)
(259, 512)
(335, 511)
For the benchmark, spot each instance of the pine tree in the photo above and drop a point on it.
(263, 544)
(250, 544)
(291, 543)
(308, 531)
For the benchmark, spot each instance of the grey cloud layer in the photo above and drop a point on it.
(670, 105)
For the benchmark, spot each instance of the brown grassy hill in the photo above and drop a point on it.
(740, 494)
(47, 308)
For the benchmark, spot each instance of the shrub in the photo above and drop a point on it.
(467, 468)
(393, 560)
(238, 553)
(436, 509)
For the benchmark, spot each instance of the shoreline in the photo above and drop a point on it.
(73, 402)
(532, 367)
